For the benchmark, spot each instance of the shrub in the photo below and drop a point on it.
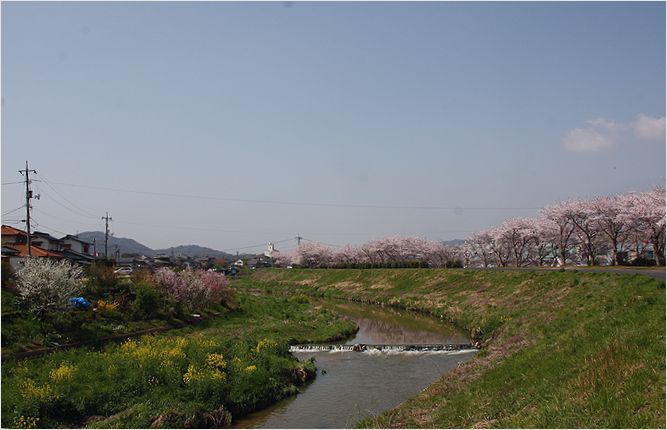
(194, 288)
(45, 285)
(147, 298)
(101, 276)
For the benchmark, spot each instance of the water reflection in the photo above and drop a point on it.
(352, 385)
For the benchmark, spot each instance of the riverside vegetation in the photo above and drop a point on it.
(558, 349)
(192, 377)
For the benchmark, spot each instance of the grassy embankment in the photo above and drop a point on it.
(559, 349)
(193, 377)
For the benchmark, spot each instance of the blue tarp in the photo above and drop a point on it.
(79, 303)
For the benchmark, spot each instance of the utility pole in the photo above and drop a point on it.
(106, 234)
(117, 253)
(298, 240)
(28, 196)
(94, 247)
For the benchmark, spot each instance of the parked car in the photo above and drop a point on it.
(125, 270)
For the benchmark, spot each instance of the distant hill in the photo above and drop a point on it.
(194, 251)
(125, 245)
(131, 246)
(454, 242)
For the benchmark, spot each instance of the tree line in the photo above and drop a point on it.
(603, 230)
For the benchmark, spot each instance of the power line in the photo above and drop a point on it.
(42, 211)
(12, 183)
(74, 205)
(13, 210)
(79, 214)
(292, 203)
(255, 246)
(40, 225)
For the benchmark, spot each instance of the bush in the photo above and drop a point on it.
(147, 299)
(46, 285)
(195, 288)
(101, 277)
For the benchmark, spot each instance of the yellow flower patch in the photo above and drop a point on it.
(24, 422)
(62, 373)
(216, 361)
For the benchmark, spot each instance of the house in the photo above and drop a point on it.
(270, 249)
(45, 241)
(75, 244)
(15, 247)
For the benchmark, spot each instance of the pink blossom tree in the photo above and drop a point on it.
(646, 211)
(565, 228)
(609, 213)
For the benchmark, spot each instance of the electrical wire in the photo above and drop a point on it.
(291, 203)
(74, 205)
(13, 183)
(13, 210)
(40, 225)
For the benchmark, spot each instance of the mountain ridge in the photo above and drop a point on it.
(131, 246)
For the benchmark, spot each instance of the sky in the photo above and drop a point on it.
(230, 125)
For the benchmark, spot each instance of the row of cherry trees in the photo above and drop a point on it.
(575, 231)
(388, 252)
(569, 232)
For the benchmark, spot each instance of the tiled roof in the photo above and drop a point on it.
(8, 230)
(22, 248)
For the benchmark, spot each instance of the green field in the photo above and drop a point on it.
(558, 349)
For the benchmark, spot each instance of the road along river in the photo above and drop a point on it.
(351, 385)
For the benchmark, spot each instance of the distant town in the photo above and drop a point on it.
(88, 247)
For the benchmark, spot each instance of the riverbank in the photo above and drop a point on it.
(559, 349)
(201, 376)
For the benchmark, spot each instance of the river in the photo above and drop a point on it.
(353, 385)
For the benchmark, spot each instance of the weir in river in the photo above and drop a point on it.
(393, 356)
(361, 347)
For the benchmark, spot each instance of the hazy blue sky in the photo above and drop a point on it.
(415, 109)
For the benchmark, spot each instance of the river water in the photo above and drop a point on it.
(354, 385)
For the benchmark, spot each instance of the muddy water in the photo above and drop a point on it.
(353, 385)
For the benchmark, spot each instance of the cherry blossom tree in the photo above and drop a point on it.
(647, 213)
(480, 248)
(518, 236)
(609, 213)
(565, 228)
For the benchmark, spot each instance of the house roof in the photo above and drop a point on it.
(45, 236)
(72, 237)
(77, 256)
(22, 248)
(8, 230)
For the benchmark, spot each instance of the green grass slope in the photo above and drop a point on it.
(559, 349)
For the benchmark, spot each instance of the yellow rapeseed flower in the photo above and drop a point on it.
(190, 375)
(265, 343)
(24, 422)
(40, 393)
(216, 361)
(250, 368)
(62, 372)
